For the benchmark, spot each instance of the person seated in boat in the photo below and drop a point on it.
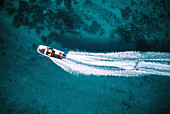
(50, 52)
(60, 55)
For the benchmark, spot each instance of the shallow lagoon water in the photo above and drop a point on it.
(27, 85)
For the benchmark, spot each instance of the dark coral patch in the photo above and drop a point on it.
(126, 13)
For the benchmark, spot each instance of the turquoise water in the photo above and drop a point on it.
(104, 40)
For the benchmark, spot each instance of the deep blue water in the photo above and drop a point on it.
(86, 29)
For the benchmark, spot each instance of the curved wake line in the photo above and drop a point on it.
(116, 63)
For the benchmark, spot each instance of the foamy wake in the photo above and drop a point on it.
(116, 63)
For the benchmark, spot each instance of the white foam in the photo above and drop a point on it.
(116, 63)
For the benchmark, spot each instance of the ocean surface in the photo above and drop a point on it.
(105, 41)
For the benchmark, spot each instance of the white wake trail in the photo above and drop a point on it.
(116, 63)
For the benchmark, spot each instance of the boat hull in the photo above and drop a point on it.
(57, 53)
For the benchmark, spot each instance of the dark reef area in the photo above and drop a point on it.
(142, 24)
